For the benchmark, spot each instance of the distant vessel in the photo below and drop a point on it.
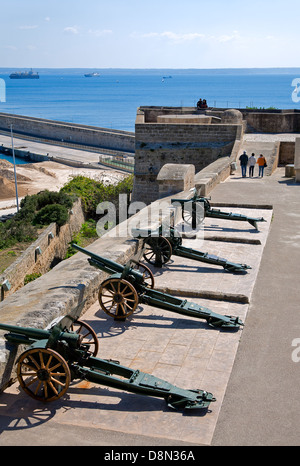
(91, 75)
(24, 75)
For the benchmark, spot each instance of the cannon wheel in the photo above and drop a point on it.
(43, 374)
(158, 250)
(188, 218)
(88, 334)
(118, 298)
(147, 274)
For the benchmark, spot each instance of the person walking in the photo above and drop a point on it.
(251, 162)
(244, 161)
(262, 163)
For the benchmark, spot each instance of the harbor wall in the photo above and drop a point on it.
(72, 133)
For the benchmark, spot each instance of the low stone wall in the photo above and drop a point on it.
(51, 244)
(272, 121)
(209, 177)
(286, 152)
(174, 178)
(216, 172)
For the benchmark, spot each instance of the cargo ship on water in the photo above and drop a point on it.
(92, 75)
(24, 75)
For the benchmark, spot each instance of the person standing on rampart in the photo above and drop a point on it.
(262, 163)
(251, 163)
(244, 162)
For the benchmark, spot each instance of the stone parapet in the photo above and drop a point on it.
(297, 160)
(174, 178)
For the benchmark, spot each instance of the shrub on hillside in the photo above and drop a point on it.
(94, 192)
(51, 213)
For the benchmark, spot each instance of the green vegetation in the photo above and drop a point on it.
(39, 210)
(94, 192)
(31, 277)
(86, 235)
(262, 108)
(35, 212)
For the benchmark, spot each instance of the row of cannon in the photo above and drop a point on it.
(68, 350)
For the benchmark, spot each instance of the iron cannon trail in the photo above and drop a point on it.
(133, 284)
(158, 249)
(57, 356)
(195, 209)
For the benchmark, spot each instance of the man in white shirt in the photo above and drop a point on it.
(251, 163)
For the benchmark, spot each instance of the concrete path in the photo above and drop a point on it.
(52, 150)
(262, 406)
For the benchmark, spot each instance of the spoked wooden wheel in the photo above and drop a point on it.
(147, 274)
(118, 298)
(89, 337)
(157, 251)
(187, 214)
(43, 374)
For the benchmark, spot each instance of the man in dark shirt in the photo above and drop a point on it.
(244, 161)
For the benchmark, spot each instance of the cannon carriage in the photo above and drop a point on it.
(158, 248)
(133, 284)
(195, 209)
(60, 355)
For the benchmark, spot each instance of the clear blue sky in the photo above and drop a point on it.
(149, 34)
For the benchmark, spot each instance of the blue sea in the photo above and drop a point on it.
(111, 100)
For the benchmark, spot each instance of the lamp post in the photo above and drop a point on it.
(13, 152)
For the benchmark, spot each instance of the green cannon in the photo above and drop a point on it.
(195, 209)
(59, 355)
(158, 249)
(133, 284)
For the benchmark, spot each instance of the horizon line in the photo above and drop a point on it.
(153, 68)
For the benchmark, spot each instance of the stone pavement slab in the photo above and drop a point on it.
(179, 349)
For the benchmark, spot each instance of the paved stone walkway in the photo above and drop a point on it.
(262, 406)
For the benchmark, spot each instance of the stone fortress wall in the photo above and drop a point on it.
(209, 139)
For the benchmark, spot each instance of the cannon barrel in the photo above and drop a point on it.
(109, 266)
(29, 334)
(35, 333)
(105, 264)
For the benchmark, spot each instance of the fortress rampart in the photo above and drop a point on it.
(210, 139)
(182, 136)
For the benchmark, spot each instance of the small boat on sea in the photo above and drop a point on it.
(24, 75)
(92, 75)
